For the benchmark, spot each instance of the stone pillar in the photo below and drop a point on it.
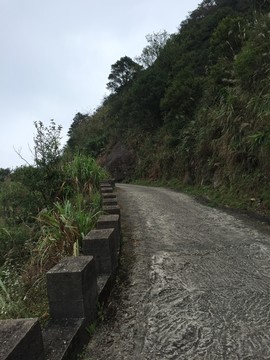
(105, 184)
(106, 189)
(101, 245)
(21, 339)
(111, 209)
(111, 201)
(72, 288)
(111, 221)
(109, 182)
(108, 195)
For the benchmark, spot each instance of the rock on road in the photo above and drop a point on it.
(198, 283)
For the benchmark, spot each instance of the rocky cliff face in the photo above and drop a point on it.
(120, 162)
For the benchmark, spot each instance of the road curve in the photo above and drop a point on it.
(198, 283)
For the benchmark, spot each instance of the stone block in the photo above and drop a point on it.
(64, 338)
(105, 183)
(101, 245)
(21, 339)
(72, 288)
(110, 182)
(109, 202)
(110, 221)
(105, 286)
(106, 189)
(108, 195)
(111, 209)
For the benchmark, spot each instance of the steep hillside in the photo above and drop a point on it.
(194, 106)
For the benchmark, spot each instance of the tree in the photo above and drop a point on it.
(150, 53)
(79, 118)
(47, 155)
(4, 173)
(228, 38)
(251, 65)
(141, 106)
(245, 6)
(47, 143)
(122, 73)
(78, 122)
(182, 97)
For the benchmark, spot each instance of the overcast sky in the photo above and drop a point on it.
(56, 55)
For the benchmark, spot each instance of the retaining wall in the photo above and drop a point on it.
(76, 286)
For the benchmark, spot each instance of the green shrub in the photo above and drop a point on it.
(83, 174)
(12, 293)
(18, 203)
(12, 242)
(252, 64)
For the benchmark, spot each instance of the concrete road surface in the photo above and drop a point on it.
(194, 283)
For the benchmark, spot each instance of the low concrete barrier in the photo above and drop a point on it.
(64, 339)
(21, 339)
(105, 184)
(72, 293)
(110, 182)
(101, 245)
(109, 195)
(106, 189)
(108, 222)
(111, 209)
(74, 287)
(111, 201)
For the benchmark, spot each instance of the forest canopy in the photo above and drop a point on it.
(195, 104)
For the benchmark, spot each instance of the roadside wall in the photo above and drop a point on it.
(76, 286)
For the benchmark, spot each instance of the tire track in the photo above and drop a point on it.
(199, 285)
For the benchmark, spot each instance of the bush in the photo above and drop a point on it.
(18, 203)
(45, 210)
(12, 242)
(83, 174)
(12, 293)
(252, 65)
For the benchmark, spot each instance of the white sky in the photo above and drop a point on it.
(56, 55)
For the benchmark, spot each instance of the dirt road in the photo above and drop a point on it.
(194, 283)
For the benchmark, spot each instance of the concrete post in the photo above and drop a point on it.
(106, 189)
(110, 221)
(111, 209)
(110, 182)
(101, 245)
(109, 201)
(72, 288)
(108, 195)
(105, 183)
(21, 339)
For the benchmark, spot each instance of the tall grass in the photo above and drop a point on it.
(12, 292)
(84, 174)
(59, 230)
(62, 229)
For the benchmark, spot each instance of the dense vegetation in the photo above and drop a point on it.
(194, 105)
(45, 210)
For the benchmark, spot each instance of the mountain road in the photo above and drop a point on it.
(194, 282)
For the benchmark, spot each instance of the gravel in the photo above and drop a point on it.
(193, 283)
